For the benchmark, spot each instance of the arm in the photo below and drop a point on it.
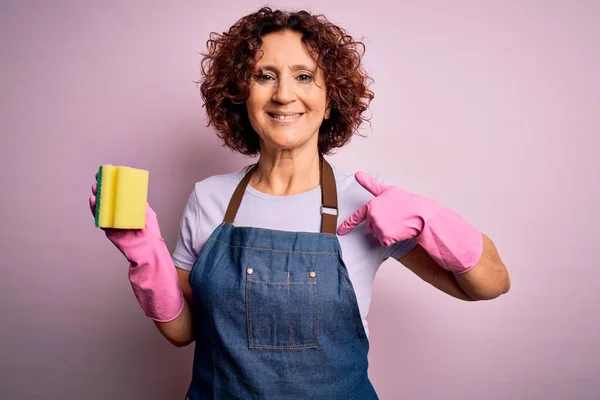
(161, 288)
(487, 280)
(180, 330)
(421, 264)
(451, 254)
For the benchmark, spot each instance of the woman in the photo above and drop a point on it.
(273, 268)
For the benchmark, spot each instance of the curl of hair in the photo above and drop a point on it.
(229, 64)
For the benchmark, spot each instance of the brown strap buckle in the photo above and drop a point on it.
(329, 210)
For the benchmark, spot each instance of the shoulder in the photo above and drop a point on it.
(217, 186)
(210, 196)
(348, 187)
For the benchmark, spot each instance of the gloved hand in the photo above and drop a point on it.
(395, 215)
(152, 273)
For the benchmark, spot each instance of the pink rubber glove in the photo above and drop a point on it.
(152, 273)
(395, 215)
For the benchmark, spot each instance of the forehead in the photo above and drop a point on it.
(283, 49)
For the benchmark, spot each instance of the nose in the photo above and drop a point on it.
(284, 92)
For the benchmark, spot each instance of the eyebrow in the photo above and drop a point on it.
(296, 67)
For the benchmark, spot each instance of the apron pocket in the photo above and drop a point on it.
(281, 309)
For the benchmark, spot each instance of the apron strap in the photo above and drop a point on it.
(329, 201)
(236, 198)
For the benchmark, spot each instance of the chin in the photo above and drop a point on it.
(287, 145)
(286, 142)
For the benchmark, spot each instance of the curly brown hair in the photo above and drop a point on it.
(229, 64)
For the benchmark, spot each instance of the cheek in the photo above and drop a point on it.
(318, 103)
(256, 101)
(251, 104)
(255, 114)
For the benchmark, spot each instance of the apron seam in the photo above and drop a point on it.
(275, 250)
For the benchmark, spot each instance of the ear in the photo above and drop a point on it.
(327, 113)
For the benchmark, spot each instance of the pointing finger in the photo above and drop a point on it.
(371, 184)
(353, 220)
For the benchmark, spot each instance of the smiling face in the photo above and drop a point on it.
(287, 101)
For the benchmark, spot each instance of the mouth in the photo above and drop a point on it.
(285, 117)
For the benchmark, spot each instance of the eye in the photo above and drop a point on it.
(264, 78)
(305, 78)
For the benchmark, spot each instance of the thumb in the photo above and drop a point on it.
(353, 220)
(371, 184)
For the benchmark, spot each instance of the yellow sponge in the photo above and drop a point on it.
(121, 197)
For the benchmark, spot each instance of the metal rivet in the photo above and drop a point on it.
(249, 271)
(312, 274)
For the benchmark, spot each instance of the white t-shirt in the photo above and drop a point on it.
(361, 252)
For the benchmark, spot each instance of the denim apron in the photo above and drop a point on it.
(275, 314)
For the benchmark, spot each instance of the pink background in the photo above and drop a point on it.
(490, 107)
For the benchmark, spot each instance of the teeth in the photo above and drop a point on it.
(285, 117)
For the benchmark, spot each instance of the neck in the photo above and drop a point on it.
(284, 173)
